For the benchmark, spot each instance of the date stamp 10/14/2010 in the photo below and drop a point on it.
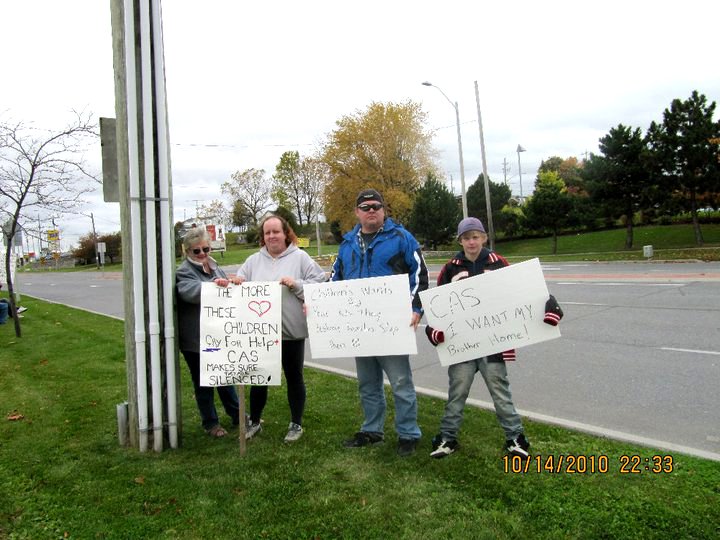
(589, 464)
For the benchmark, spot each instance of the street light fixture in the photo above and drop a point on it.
(520, 149)
(460, 153)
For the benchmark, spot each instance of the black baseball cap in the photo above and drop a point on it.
(368, 195)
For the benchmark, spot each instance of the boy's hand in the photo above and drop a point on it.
(434, 336)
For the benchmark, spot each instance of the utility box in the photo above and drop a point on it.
(648, 252)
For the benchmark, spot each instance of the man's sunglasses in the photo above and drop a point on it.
(197, 251)
(368, 207)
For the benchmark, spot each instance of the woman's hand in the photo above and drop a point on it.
(235, 279)
(288, 282)
(221, 282)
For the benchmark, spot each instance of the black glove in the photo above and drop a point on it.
(553, 312)
(434, 336)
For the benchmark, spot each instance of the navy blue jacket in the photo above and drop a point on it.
(392, 251)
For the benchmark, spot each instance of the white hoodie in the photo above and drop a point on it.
(294, 263)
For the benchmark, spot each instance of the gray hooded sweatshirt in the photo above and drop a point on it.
(294, 263)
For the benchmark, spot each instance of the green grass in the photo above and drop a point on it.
(63, 474)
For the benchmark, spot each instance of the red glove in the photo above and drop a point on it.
(434, 336)
(553, 312)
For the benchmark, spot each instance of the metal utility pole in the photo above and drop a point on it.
(506, 168)
(488, 205)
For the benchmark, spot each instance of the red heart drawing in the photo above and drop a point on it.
(261, 308)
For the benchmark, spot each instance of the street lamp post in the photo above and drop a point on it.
(520, 149)
(460, 152)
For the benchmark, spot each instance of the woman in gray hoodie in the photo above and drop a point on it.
(280, 259)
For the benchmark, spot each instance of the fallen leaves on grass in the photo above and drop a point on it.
(15, 416)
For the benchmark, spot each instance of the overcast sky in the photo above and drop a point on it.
(248, 81)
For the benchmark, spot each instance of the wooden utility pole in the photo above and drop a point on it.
(143, 169)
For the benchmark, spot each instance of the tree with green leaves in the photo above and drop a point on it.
(569, 170)
(252, 189)
(435, 213)
(386, 147)
(548, 209)
(684, 157)
(500, 194)
(617, 180)
(240, 216)
(298, 183)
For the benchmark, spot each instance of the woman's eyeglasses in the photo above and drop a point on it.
(368, 207)
(197, 251)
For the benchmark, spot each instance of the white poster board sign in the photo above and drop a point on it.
(240, 334)
(13, 264)
(360, 317)
(490, 313)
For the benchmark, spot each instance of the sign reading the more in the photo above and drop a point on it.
(240, 334)
(360, 317)
(490, 313)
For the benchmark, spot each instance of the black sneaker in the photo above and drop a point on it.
(445, 448)
(406, 447)
(363, 438)
(518, 446)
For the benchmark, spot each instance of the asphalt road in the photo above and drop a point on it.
(639, 357)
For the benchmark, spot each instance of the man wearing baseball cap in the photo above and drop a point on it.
(378, 246)
(472, 260)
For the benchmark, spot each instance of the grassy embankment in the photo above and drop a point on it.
(63, 474)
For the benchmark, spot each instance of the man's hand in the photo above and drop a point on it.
(415, 320)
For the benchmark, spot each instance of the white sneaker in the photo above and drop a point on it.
(253, 430)
(295, 431)
(21, 309)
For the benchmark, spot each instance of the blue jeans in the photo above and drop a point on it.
(372, 394)
(4, 308)
(461, 377)
(205, 395)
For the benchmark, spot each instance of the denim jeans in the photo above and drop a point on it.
(205, 395)
(461, 377)
(4, 309)
(372, 394)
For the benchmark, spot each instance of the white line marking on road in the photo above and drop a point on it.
(618, 283)
(689, 350)
(584, 304)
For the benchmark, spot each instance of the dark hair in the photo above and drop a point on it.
(290, 236)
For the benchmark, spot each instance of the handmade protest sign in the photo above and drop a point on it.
(490, 313)
(360, 317)
(240, 334)
(13, 264)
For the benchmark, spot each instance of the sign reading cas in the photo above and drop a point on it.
(490, 313)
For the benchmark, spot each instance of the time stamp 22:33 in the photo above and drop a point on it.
(582, 464)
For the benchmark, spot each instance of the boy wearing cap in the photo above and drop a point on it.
(476, 259)
(378, 246)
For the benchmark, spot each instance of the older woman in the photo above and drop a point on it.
(199, 267)
(280, 259)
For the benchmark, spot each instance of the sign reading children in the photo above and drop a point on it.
(240, 334)
(490, 313)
